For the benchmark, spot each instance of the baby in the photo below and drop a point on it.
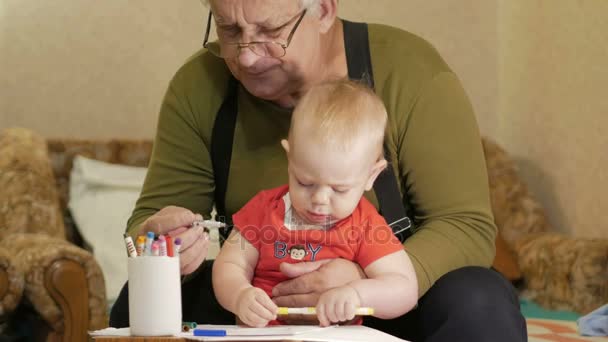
(334, 151)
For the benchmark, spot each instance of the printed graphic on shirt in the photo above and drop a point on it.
(296, 252)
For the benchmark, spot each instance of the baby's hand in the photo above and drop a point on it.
(337, 305)
(255, 308)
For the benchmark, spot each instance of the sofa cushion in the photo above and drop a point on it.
(29, 202)
(102, 197)
(516, 212)
(62, 152)
(563, 272)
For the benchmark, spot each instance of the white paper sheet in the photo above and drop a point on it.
(345, 333)
(304, 333)
(278, 330)
(111, 332)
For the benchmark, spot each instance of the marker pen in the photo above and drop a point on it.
(140, 245)
(177, 244)
(362, 311)
(187, 326)
(149, 241)
(131, 252)
(162, 245)
(211, 224)
(210, 332)
(169, 242)
(155, 249)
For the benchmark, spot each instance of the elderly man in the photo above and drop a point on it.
(218, 144)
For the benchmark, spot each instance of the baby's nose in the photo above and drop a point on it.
(320, 197)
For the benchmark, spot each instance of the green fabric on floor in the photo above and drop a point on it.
(531, 310)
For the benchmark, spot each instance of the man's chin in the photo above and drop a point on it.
(265, 86)
(269, 93)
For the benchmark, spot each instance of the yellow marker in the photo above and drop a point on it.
(312, 311)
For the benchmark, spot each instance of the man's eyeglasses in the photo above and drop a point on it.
(274, 49)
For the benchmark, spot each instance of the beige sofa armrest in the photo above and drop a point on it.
(564, 273)
(29, 203)
(64, 283)
(11, 284)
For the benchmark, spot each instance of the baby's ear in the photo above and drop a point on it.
(285, 145)
(376, 169)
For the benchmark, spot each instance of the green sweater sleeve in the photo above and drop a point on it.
(180, 171)
(442, 167)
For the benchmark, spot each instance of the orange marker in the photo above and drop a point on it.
(169, 241)
(141, 245)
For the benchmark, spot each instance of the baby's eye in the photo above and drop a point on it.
(341, 190)
(306, 185)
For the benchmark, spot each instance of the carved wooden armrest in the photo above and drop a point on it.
(64, 283)
(11, 283)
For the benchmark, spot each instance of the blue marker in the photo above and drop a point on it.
(207, 332)
(149, 241)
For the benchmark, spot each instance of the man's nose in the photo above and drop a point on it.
(246, 57)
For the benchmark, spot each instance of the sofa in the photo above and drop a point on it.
(557, 271)
(45, 264)
(42, 270)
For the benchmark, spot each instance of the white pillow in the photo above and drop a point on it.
(102, 198)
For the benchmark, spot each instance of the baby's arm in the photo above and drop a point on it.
(232, 273)
(391, 289)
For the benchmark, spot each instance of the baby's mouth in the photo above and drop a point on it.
(319, 218)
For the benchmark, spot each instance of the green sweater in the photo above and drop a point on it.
(432, 137)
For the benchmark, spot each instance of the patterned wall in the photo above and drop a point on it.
(536, 73)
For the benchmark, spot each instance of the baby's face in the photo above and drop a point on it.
(326, 185)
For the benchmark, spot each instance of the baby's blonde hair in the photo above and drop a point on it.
(339, 113)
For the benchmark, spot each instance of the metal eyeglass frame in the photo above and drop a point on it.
(250, 44)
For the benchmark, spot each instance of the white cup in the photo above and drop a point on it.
(155, 299)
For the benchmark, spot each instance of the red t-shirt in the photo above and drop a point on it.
(363, 237)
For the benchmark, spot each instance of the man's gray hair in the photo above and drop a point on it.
(311, 5)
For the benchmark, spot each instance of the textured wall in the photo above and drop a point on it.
(99, 68)
(464, 32)
(535, 70)
(554, 105)
(92, 68)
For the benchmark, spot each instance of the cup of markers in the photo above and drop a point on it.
(154, 285)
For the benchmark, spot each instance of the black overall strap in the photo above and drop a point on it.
(222, 138)
(359, 62)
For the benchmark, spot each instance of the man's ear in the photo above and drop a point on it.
(376, 169)
(285, 145)
(328, 11)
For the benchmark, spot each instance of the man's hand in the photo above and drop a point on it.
(176, 221)
(311, 279)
